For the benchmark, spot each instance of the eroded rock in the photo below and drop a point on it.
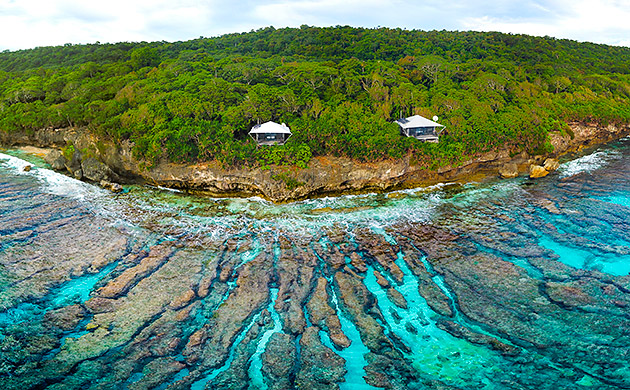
(359, 302)
(536, 171)
(551, 164)
(113, 187)
(508, 171)
(279, 360)
(249, 296)
(397, 298)
(119, 286)
(295, 278)
(182, 300)
(56, 159)
(96, 171)
(324, 316)
(321, 367)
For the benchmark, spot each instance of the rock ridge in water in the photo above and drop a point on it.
(493, 286)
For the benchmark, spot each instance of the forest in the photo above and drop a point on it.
(339, 89)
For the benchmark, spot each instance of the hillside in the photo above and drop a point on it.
(337, 88)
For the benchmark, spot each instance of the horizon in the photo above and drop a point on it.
(36, 23)
(290, 27)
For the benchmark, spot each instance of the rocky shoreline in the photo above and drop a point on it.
(107, 163)
(479, 294)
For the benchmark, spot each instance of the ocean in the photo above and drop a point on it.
(511, 284)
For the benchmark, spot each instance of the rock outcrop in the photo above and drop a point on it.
(56, 159)
(74, 165)
(536, 171)
(96, 171)
(113, 187)
(551, 164)
(88, 168)
(508, 171)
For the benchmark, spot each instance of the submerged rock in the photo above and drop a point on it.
(536, 171)
(279, 359)
(113, 187)
(321, 367)
(155, 372)
(385, 372)
(65, 318)
(460, 331)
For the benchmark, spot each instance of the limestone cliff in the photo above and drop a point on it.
(324, 175)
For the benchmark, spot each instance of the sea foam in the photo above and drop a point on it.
(588, 163)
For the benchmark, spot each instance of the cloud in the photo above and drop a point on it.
(319, 12)
(604, 21)
(30, 23)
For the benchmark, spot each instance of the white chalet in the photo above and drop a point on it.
(420, 128)
(270, 133)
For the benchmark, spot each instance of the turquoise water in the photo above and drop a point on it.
(534, 272)
(78, 290)
(433, 350)
(613, 264)
(621, 200)
(255, 368)
(211, 375)
(354, 355)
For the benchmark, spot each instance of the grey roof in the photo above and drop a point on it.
(270, 127)
(417, 121)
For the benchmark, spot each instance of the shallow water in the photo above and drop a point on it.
(512, 284)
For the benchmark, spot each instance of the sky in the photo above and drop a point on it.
(30, 23)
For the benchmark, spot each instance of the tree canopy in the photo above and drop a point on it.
(338, 88)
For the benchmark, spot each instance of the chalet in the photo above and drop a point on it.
(420, 128)
(270, 133)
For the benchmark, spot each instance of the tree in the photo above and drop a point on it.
(143, 57)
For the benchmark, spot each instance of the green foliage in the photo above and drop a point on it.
(290, 182)
(143, 57)
(68, 151)
(289, 154)
(338, 88)
(88, 152)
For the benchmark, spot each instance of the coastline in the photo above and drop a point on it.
(325, 176)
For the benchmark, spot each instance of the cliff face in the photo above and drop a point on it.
(324, 175)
